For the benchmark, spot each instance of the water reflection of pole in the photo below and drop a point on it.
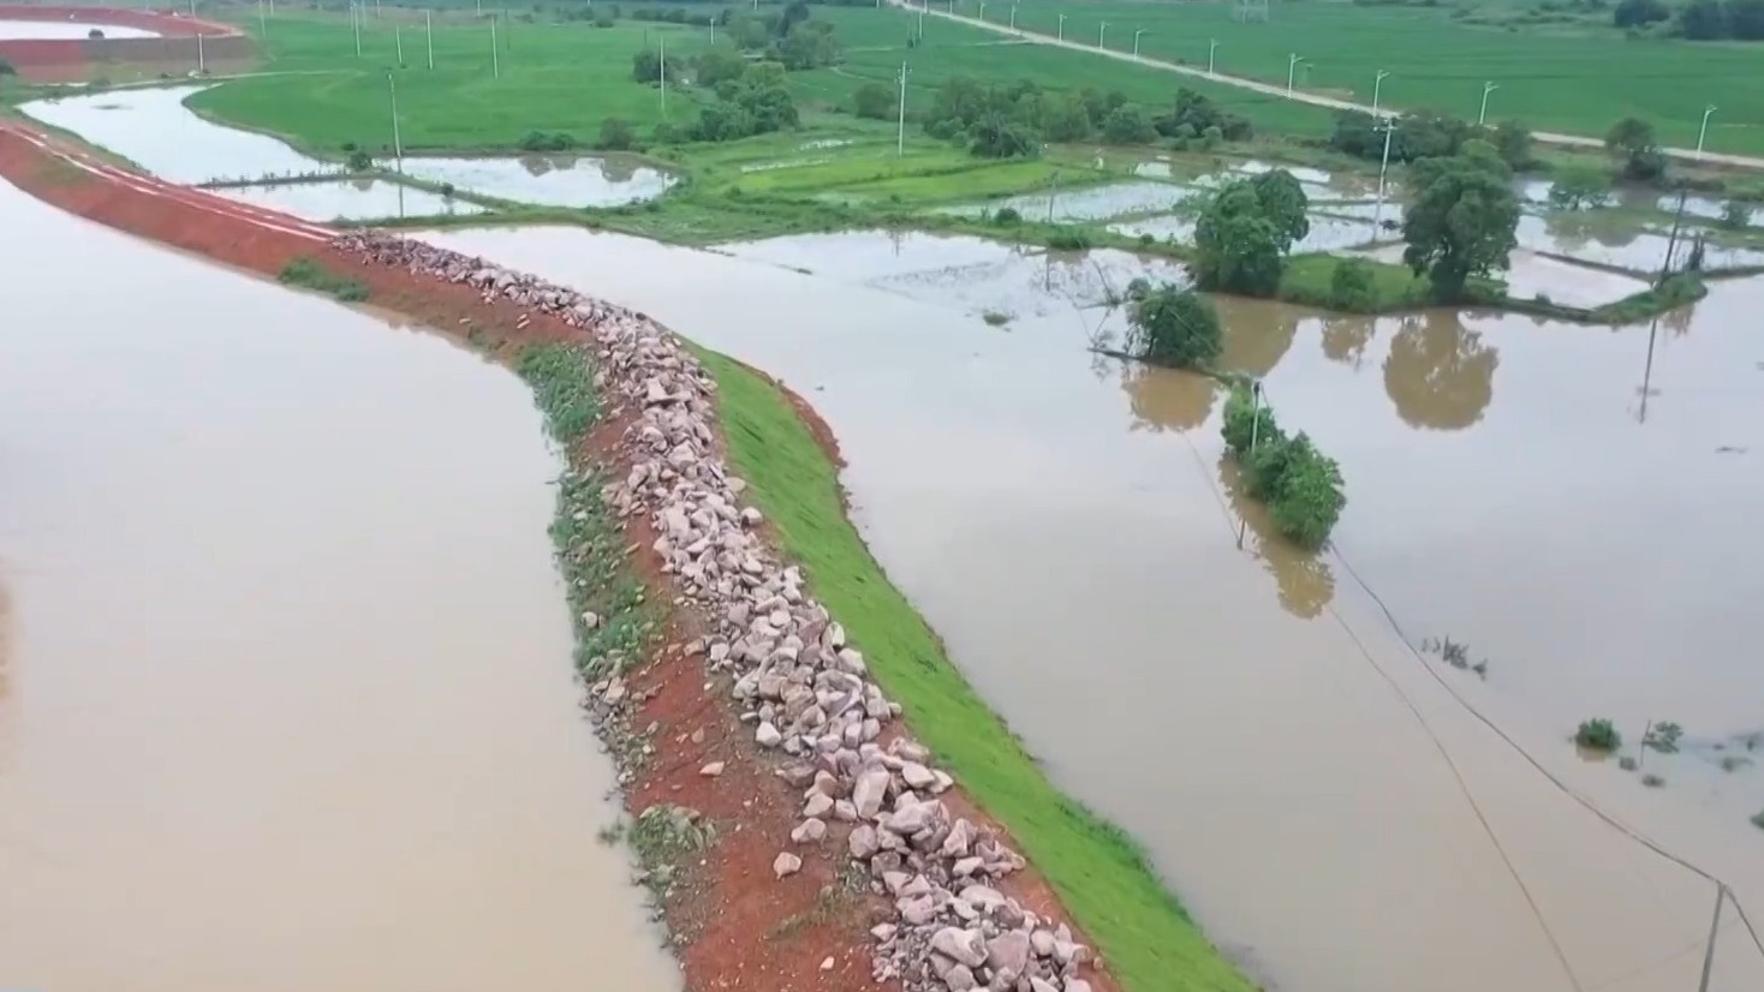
(1714, 927)
(1648, 372)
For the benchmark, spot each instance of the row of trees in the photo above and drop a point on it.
(1427, 134)
(999, 120)
(1700, 20)
(1301, 486)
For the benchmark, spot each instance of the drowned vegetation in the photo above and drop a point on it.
(1243, 238)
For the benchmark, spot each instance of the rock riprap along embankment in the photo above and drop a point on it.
(805, 691)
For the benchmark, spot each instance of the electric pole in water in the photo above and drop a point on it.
(900, 139)
(1384, 162)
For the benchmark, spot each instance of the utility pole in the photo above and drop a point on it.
(201, 56)
(663, 63)
(495, 62)
(1377, 83)
(1703, 132)
(900, 139)
(398, 40)
(1013, 17)
(355, 18)
(1384, 162)
(982, 10)
(429, 27)
(1062, 29)
(1292, 64)
(1136, 35)
(397, 143)
(1100, 30)
(1482, 114)
(1212, 46)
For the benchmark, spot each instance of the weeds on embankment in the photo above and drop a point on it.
(309, 274)
(606, 601)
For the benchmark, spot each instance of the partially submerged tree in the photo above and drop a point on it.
(1462, 224)
(1170, 325)
(1245, 231)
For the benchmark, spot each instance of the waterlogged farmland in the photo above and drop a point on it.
(1040, 506)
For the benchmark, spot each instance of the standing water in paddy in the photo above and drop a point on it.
(285, 686)
(1065, 524)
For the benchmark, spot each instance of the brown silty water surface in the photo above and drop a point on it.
(1328, 810)
(285, 695)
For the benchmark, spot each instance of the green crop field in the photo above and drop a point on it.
(552, 77)
(1575, 77)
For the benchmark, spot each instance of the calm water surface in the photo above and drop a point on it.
(285, 692)
(64, 30)
(1071, 528)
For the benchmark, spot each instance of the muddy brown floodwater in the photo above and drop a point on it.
(287, 699)
(1327, 809)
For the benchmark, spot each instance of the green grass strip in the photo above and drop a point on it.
(308, 274)
(1100, 873)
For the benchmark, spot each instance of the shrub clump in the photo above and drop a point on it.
(547, 141)
(1598, 734)
(1351, 287)
(616, 135)
(1301, 486)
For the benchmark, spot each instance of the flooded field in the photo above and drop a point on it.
(11, 29)
(1326, 233)
(970, 274)
(152, 128)
(1331, 813)
(351, 199)
(548, 180)
(285, 686)
(1086, 203)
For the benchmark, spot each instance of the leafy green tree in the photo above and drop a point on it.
(1462, 222)
(1639, 13)
(1065, 119)
(1512, 140)
(1125, 125)
(995, 135)
(809, 45)
(1245, 231)
(720, 64)
(646, 67)
(6, 68)
(1246, 421)
(1173, 326)
(1099, 105)
(875, 101)
(1579, 185)
(616, 135)
(1631, 141)
(360, 161)
(1703, 20)
(1304, 493)
(1736, 214)
(1745, 19)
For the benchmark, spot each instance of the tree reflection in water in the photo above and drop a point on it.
(1167, 399)
(1258, 334)
(1439, 374)
(1304, 580)
(1345, 337)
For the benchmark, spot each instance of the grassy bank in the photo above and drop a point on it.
(308, 274)
(1099, 872)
